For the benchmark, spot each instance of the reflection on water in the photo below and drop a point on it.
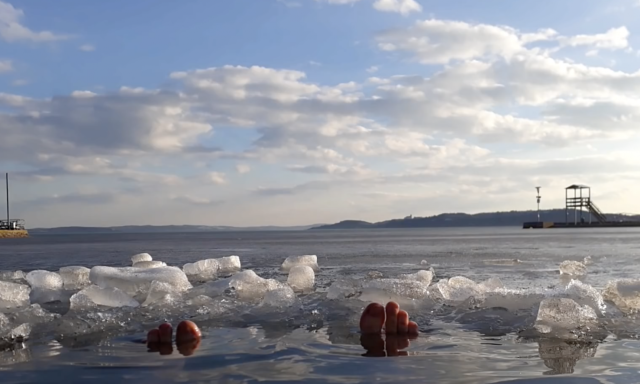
(561, 356)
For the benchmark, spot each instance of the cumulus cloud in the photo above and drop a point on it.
(12, 30)
(403, 7)
(87, 48)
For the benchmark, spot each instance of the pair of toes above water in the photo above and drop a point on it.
(374, 320)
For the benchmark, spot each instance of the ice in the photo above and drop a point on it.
(202, 269)
(74, 277)
(625, 294)
(411, 289)
(573, 268)
(251, 287)
(45, 286)
(161, 293)
(135, 281)
(12, 275)
(44, 280)
(343, 289)
(141, 257)
(458, 288)
(424, 262)
(308, 260)
(374, 275)
(13, 295)
(149, 264)
(491, 284)
(563, 313)
(279, 297)
(229, 265)
(301, 278)
(584, 294)
(106, 296)
(211, 289)
(423, 276)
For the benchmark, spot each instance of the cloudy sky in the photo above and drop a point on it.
(286, 112)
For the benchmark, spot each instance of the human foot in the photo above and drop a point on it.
(399, 330)
(188, 337)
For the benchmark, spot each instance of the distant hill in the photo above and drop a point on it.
(160, 229)
(493, 219)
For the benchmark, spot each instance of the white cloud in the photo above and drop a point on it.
(216, 178)
(19, 82)
(613, 39)
(372, 69)
(12, 30)
(403, 7)
(87, 48)
(6, 66)
(243, 168)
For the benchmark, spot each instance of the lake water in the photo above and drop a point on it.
(315, 340)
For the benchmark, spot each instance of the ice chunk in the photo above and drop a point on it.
(491, 284)
(251, 287)
(573, 268)
(229, 264)
(301, 278)
(13, 295)
(134, 281)
(211, 289)
(460, 288)
(149, 264)
(625, 294)
(584, 294)
(161, 293)
(563, 314)
(587, 260)
(44, 280)
(374, 275)
(411, 289)
(202, 269)
(424, 262)
(109, 297)
(279, 297)
(343, 289)
(12, 275)
(424, 277)
(141, 257)
(308, 260)
(74, 277)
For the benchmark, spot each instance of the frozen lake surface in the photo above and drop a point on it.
(491, 304)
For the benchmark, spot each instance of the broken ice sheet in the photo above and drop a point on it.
(558, 314)
(13, 295)
(251, 287)
(624, 293)
(74, 277)
(94, 295)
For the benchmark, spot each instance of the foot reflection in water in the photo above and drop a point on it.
(374, 320)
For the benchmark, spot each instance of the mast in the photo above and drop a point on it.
(7, 179)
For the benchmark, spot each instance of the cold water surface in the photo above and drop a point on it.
(316, 339)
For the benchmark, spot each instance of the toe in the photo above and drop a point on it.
(372, 319)
(391, 326)
(166, 333)
(412, 329)
(153, 336)
(403, 322)
(187, 331)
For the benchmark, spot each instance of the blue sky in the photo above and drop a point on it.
(254, 112)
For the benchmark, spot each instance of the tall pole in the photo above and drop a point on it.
(7, 179)
(538, 200)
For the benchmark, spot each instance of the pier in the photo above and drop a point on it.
(12, 228)
(580, 212)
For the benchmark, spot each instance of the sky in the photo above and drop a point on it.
(296, 112)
